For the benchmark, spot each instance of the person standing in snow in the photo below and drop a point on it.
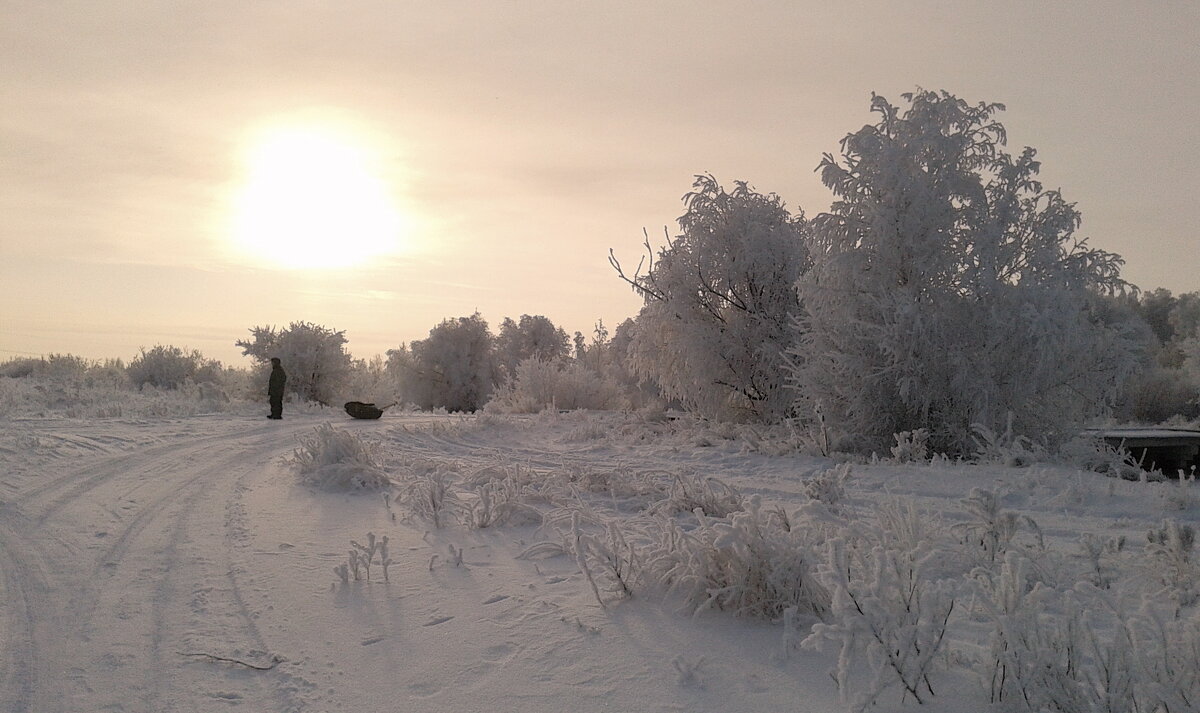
(275, 388)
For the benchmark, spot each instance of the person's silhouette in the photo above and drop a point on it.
(275, 388)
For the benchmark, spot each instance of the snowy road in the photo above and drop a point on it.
(116, 565)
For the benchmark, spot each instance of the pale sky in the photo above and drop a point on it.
(506, 146)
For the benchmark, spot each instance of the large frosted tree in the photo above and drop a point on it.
(719, 298)
(314, 357)
(949, 288)
(454, 368)
(533, 337)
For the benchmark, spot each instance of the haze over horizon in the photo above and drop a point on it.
(179, 174)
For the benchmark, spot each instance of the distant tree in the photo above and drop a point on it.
(719, 298)
(454, 368)
(533, 337)
(169, 367)
(949, 288)
(1155, 307)
(313, 356)
(579, 344)
(1185, 316)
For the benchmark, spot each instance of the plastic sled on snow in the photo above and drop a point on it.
(358, 409)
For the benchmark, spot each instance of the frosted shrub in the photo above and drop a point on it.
(496, 502)
(1075, 651)
(1096, 550)
(991, 530)
(689, 493)
(560, 384)
(1094, 454)
(614, 482)
(1005, 448)
(1171, 546)
(334, 459)
(1182, 495)
(607, 561)
(911, 446)
(829, 486)
(168, 367)
(430, 494)
(752, 563)
(454, 368)
(1047, 661)
(886, 616)
(531, 337)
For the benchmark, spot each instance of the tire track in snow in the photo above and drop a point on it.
(20, 581)
(73, 485)
(59, 626)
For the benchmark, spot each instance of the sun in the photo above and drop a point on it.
(313, 196)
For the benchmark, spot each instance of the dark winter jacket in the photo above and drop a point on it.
(278, 379)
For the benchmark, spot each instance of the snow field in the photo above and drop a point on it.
(191, 565)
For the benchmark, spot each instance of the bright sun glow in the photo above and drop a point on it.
(313, 197)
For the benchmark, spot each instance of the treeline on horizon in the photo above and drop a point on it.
(945, 294)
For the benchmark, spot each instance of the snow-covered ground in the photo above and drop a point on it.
(187, 564)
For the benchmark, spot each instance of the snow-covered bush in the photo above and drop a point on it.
(608, 561)
(537, 384)
(992, 530)
(1007, 448)
(1076, 650)
(911, 446)
(888, 615)
(718, 300)
(752, 563)
(691, 492)
(949, 289)
(496, 502)
(829, 486)
(169, 367)
(429, 491)
(1171, 546)
(1089, 452)
(336, 459)
(313, 356)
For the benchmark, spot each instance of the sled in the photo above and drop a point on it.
(358, 409)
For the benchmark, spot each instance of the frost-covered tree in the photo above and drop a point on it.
(949, 288)
(454, 368)
(313, 356)
(719, 298)
(533, 337)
